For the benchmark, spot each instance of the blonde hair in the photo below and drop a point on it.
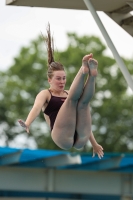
(52, 65)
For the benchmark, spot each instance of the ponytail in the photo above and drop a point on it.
(52, 65)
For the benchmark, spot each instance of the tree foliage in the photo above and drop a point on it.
(111, 106)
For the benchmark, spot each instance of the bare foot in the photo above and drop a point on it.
(93, 64)
(85, 66)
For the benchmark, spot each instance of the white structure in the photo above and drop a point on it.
(49, 174)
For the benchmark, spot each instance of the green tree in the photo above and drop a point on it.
(111, 106)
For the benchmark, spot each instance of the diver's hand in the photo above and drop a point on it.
(22, 123)
(98, 149)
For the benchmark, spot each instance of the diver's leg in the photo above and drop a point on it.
(65, 123)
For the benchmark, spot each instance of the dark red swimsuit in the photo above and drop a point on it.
(53, 108)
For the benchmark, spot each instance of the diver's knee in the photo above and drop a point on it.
(66, 146)
(80, 143)
(63, 143)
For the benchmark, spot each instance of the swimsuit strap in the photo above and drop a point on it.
(52, 95)
(50, 92)
(66, 92)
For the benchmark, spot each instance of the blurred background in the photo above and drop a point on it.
(23, 65)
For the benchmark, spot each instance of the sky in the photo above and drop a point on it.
(20, 25)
